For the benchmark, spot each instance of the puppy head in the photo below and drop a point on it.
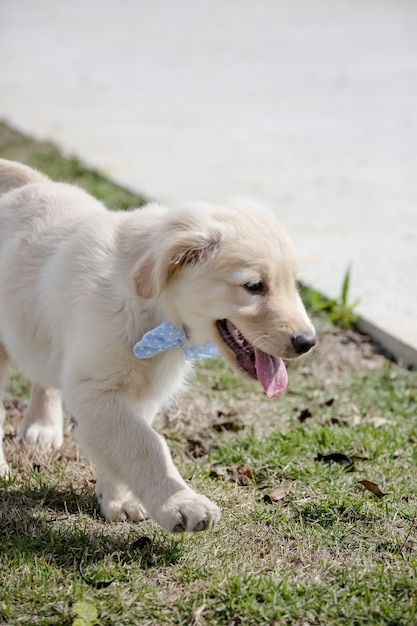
(227, 274)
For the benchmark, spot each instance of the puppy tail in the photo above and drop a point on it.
(14, 175)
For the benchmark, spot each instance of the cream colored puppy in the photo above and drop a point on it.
(80, 286)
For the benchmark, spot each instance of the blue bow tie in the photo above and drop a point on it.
(166, 337)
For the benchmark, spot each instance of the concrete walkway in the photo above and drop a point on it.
(308, 106)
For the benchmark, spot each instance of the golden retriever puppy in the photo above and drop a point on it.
(82, 287)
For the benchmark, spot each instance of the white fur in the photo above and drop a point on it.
(80, 285)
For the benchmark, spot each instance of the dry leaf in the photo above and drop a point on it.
(380, 421)
(196, 447)
(244, 477)
(13, 407)
(141, 543)
(356, 414)
(335, 457)
(304, 415)
(219, 472)
(277, 494)
(408, 545)
(373, 488)
(232, 425)
(226, 412)
(338, 422)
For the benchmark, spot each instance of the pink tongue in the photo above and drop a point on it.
(271, 373)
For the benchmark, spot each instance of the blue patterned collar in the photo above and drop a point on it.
(167, 337)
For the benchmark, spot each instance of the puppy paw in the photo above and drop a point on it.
(121, 511)
(43, 436)
(117, 503)
(5, 470)
(188, 511)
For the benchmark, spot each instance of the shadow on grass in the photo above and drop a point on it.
(63, 526)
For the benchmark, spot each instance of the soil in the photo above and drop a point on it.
(340, 353)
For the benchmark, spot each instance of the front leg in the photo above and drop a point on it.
(130, 452)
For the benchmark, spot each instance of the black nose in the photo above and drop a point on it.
(303, 343)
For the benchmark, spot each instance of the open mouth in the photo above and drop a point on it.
(269, 370)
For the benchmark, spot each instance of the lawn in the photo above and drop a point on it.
(318, 491)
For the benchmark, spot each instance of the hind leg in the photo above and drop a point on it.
(42, 423)
(117, 502)
(4, 365)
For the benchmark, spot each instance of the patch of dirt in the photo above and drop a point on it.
(340, 353)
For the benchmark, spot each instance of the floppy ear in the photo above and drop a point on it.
(148, 277)
(179, 250)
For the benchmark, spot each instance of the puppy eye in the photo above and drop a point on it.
(255, 288)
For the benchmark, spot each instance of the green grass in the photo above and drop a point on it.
(46, 157)
(339, 310)
(327, 552)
